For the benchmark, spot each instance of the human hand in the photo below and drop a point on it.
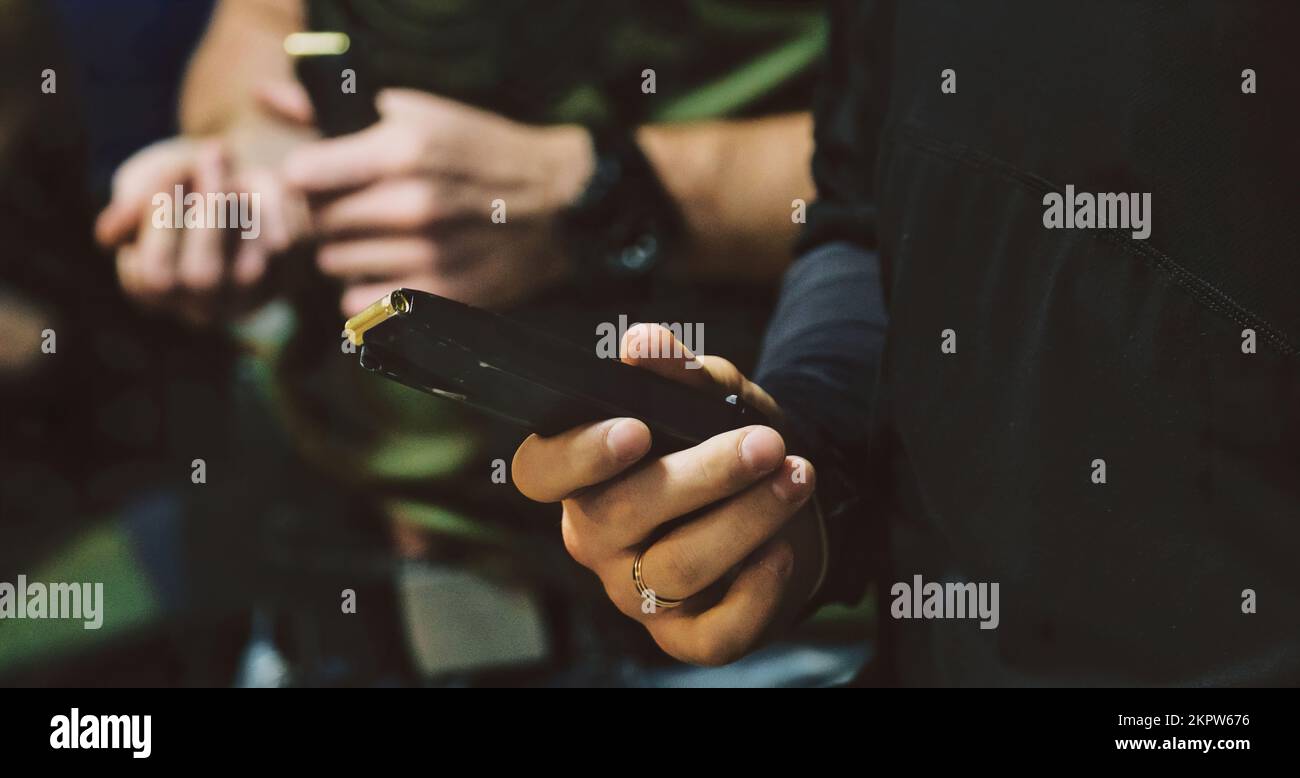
(726, 526)
(198, 272)
(409, 201)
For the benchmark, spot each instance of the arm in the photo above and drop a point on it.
(242, 48)
(734, 182)
(745, 499)
(230, 144)
(418, 186)
(406, 202)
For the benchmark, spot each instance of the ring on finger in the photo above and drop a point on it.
(645, 592)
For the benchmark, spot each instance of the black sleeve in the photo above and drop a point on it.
(822, 349)
(850, 103)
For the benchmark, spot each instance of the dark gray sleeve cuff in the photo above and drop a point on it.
(820, 360)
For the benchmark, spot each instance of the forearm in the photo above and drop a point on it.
(242, 48)
(734, 183)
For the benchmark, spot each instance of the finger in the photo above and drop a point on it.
(352, 160)
(395, 102)
(627, 511)
(200, 263)
(250, 263)
(700, 552)
(401, 102)
(287, 100)
(405, 204)
(547, 469)
(117, 222)
(730, 629)
(135, 184)
(284, 215)
(377, 256)
(128, 272)
(653, 347)
(156, 257)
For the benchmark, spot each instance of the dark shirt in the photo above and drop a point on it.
(1072, 345)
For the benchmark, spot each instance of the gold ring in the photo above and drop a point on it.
(648, 594)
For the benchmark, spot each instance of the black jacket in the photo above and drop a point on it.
(1072, 345)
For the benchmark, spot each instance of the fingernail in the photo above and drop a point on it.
(627, 440)
(793, 482)
(762, 449)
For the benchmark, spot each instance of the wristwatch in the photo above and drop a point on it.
(624, 223)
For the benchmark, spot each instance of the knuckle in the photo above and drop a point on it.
(418, 209)
(603, 505)
(574, 543)
(684, 568)
(706, 470)
(723, 466)
(415, 143)
(159, 282)
(668, 645)
(197, 282)
(402, 153)
(710, 648)
(425, 203)
(199, 277)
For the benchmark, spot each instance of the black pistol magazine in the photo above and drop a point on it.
(542, 383)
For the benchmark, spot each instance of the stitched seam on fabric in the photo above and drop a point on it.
(1204, 292)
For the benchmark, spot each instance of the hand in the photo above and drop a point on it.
(199, 272)
(408, 202)
(723, 525)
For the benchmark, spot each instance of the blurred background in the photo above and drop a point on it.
(315, 483)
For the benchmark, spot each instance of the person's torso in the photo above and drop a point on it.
(1022, 360)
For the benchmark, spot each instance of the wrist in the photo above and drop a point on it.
(623, 222)
(570, 165)
(690, 162)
